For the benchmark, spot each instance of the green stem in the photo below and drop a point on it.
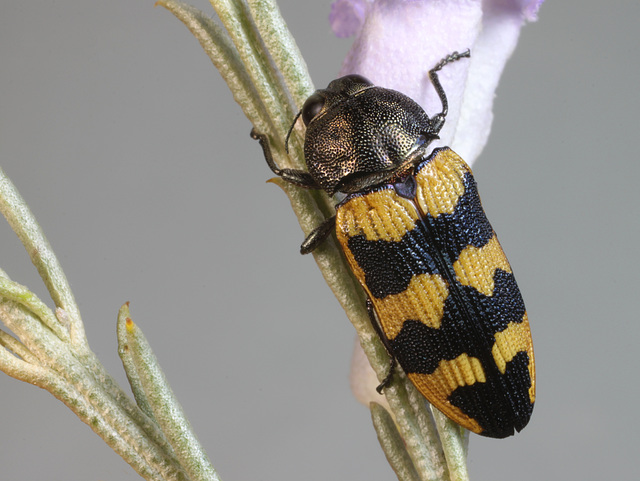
(24, 224)
(392, 444)
(59, 371)
(220, 49)
(165, 407)
(238, 22)
(20, 294)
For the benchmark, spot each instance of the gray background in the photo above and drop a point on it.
(131, 152)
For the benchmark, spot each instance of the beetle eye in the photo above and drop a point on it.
(312, 107)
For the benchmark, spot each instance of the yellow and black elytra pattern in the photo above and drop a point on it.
(444, 294)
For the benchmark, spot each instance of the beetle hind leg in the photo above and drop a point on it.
(393, 361)
(389, 377)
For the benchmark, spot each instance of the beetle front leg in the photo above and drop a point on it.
(293, 176)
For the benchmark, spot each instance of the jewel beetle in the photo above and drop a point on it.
(441, 293)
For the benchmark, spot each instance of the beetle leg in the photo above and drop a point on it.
(317, 235)
(392, 365)
(294, 176)
(301, 179)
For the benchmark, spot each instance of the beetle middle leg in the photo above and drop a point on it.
(318, 235)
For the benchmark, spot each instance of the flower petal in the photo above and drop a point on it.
(501, 23)
(400, 41)
(347, 16)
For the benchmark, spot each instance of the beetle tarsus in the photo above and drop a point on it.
(387, 380)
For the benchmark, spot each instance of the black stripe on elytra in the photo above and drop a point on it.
(420, 348)
(466, 226)
(389, 266)
(502, 402)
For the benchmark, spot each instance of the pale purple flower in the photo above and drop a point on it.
(347, 16)
(397, 43)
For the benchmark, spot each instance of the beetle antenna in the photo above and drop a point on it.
(438, 119)
(293, 124)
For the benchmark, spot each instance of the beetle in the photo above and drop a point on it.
(441, 293)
